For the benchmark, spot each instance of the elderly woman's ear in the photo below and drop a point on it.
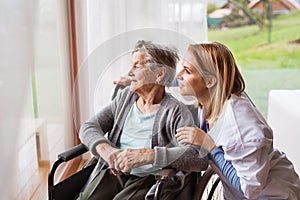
(160, 76)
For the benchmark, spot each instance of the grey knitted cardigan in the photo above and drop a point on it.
(171, 115)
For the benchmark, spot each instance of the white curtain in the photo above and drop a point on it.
(108, 29)
(34, 41)
(52, 76)
(16, 59)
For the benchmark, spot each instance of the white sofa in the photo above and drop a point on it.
(284, 118)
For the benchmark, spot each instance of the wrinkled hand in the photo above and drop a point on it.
(109, 154)
(131, 158)
(196, 136)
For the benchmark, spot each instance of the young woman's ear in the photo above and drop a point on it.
(211, 81)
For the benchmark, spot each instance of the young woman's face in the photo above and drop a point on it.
(140, 71)
(191, 83)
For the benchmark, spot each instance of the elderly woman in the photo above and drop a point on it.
(140, 123)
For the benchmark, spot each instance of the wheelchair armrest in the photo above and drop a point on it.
(64, 157)
(72, 153)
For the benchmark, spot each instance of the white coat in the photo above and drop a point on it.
(247, 141)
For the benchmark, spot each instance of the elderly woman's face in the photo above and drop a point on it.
(140, 72)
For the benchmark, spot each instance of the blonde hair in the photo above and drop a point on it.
(216, 60)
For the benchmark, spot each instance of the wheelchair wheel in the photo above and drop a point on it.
(211, 187)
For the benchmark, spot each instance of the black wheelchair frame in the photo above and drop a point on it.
(69, 188)
(209, 186)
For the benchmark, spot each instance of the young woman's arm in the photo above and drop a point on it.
(226, 167)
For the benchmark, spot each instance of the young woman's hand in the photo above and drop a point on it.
(123, 80)
(196, 136)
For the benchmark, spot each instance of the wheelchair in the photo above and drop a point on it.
(209, 187)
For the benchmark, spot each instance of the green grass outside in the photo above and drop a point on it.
(260, 81)
(264, 65)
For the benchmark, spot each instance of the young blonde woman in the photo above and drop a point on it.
(238, 139)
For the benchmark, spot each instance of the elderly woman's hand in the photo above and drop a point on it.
(109, 154)
(131, 158)
(196, 136)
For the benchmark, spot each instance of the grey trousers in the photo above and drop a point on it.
(106, 186)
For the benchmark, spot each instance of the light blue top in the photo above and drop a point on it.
(137, 133)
